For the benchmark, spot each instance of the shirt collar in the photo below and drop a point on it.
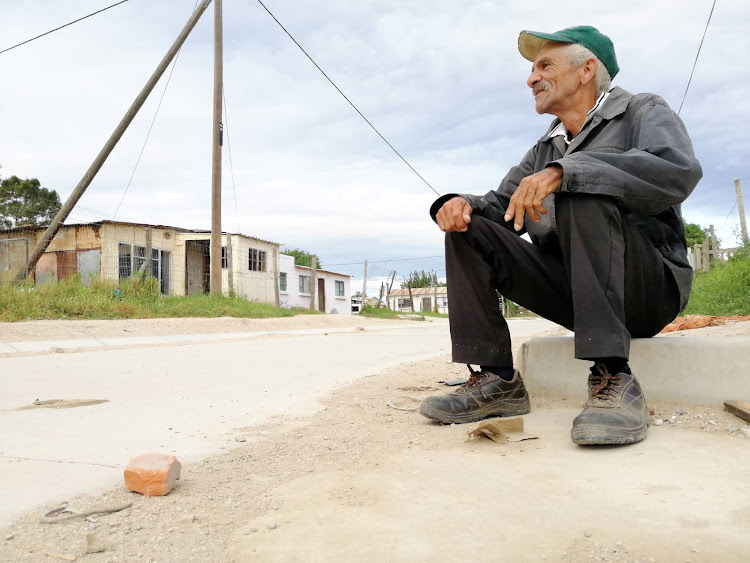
(560, 129)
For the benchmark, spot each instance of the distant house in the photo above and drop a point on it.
(421, 299)
(330, 290)
(114, 250)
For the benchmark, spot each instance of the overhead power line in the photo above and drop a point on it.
(696, 57)
(62, 26)
(386, 261)
(143, 148)
(346, 98)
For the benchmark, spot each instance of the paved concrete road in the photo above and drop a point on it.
(181, 399)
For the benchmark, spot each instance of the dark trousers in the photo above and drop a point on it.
(604, 280)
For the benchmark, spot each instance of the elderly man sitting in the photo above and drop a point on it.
(599, 194)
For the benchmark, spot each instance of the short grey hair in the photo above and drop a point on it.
(578, 54)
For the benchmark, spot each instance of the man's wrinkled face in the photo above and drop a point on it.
(553, 79)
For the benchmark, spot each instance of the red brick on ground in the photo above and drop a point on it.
(152, 474)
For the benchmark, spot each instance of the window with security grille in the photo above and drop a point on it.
(132, 257)
(404, 303)
(224, 258)
(304, 284)
(257, 260)
(282, 281)
(339, 289)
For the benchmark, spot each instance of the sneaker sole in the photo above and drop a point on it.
(504, 410)
(607, 436)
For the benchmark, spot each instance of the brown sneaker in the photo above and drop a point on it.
(615, 413)
(484, 395)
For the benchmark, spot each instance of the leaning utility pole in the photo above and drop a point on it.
(216, 157)
(364, 288)
(90, 174)
(741, 210)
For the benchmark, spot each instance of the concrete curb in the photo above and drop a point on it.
(45, 346)
(698, 370)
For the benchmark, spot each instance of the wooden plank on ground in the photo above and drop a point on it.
(738, 408)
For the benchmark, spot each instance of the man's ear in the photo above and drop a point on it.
(588, 71)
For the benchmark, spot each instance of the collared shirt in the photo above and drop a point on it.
(562, 130)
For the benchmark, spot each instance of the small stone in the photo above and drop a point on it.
(587, 534)
(272, 525)
(658, 422)
(745, 431)
(56, 350)
(189, 518)
(9, 537)
(694, 550)
(732, 428)
(253, 528)
(93, 545)
(240, 438)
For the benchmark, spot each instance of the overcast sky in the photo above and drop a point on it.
(441, 79)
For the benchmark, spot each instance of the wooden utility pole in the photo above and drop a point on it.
(364, 288)
(434, 288)
(145, 270)
(313, 281)
(216, 156)
(90, 174)
(741, 210)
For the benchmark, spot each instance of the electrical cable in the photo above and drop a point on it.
(728, 214)
(696, 57)
(62, 26)
(229, 150)
(385, 261)
(143, 148)
(346, 98)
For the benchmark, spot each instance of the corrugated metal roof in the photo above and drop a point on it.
(32, 228)
(319, 270)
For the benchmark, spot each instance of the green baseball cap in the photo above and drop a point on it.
(530, 42)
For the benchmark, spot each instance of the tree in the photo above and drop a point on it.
(302, 257)
(695, 234)
(421, 279)
(25, 202)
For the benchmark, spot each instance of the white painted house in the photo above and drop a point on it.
(421, 299)
(331, 290)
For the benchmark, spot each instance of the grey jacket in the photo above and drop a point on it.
(634, 149)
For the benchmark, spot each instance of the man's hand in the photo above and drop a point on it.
(531, 192)
(454, 216)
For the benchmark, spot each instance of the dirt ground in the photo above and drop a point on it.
(226, 507)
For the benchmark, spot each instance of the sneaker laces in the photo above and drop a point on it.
(475, 379)
(602, 383)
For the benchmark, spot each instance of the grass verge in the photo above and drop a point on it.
(129, 299)
(724, 291)
(383, 313)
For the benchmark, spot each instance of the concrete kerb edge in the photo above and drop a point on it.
(30, 348)
(695, 370)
